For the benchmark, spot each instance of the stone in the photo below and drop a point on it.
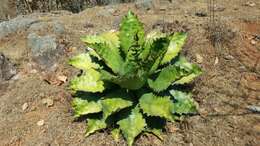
(45, 50)
(199, 58)
(41, 26)
(58, 28)
(219, 8)
(253, 42)
(14, 25)
(7, 69)
(250, 4)
(216, 61)
(254, 108)
(40, 123)
(48, 102)
(144, 4)
(25, 106)
(229, 57)
(40, 45)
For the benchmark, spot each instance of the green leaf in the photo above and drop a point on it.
(183, 63)
(184, 103)
(192, 70)
(187, 79)
(157, 106)
(111, 105)
(165, 78)
(106, 46)
(84, 107)
(83, 61)
(116, 134)
(154, 49)
(132, 126)
(131, 32)
(175, 46)
(180, 73)
(95, 125)
(132, 82)
(89, 82)
(149, 41)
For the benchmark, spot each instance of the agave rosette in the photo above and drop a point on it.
(128, 80)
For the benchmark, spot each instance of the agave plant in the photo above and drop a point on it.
(131, 82)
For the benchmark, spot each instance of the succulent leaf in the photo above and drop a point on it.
(83, 61)
(165, 78)
(111, 105)
(132, 126)
(131, 32)
(95, 125)
(192, 71)
(184, 103)
(175, 46)
(88, 82)
(84, 107)
(153, 105)
(107, 47)
(149, 41)
(116, 134)
(154, 49)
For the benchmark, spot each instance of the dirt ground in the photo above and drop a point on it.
(230, 82)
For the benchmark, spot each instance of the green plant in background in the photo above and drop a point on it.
(132, 82)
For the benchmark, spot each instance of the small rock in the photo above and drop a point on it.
(41, 44)
(199, 58)
(40, 26)
(7, 69)
(201, 14)
(216, 61)
(229, 57)
(58, 28)
(14, 25)
(17, 77)
(62, 78)
(144, 4)
(106, 11)
(254, 108)
(219, 8)
(45, 50)
(25, 106)
(33, 71)
(40, 123)
(253, 42)
(48, 102)
(250, 4)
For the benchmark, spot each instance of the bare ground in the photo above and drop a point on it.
(230, 82)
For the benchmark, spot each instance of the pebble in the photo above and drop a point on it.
(62, 78)
(216, 61)
(253, 42)
(219, 8)
(48, 102)
(199, 58)
(250, 4)
(25, 106)
(40, 123)
(229, 57)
